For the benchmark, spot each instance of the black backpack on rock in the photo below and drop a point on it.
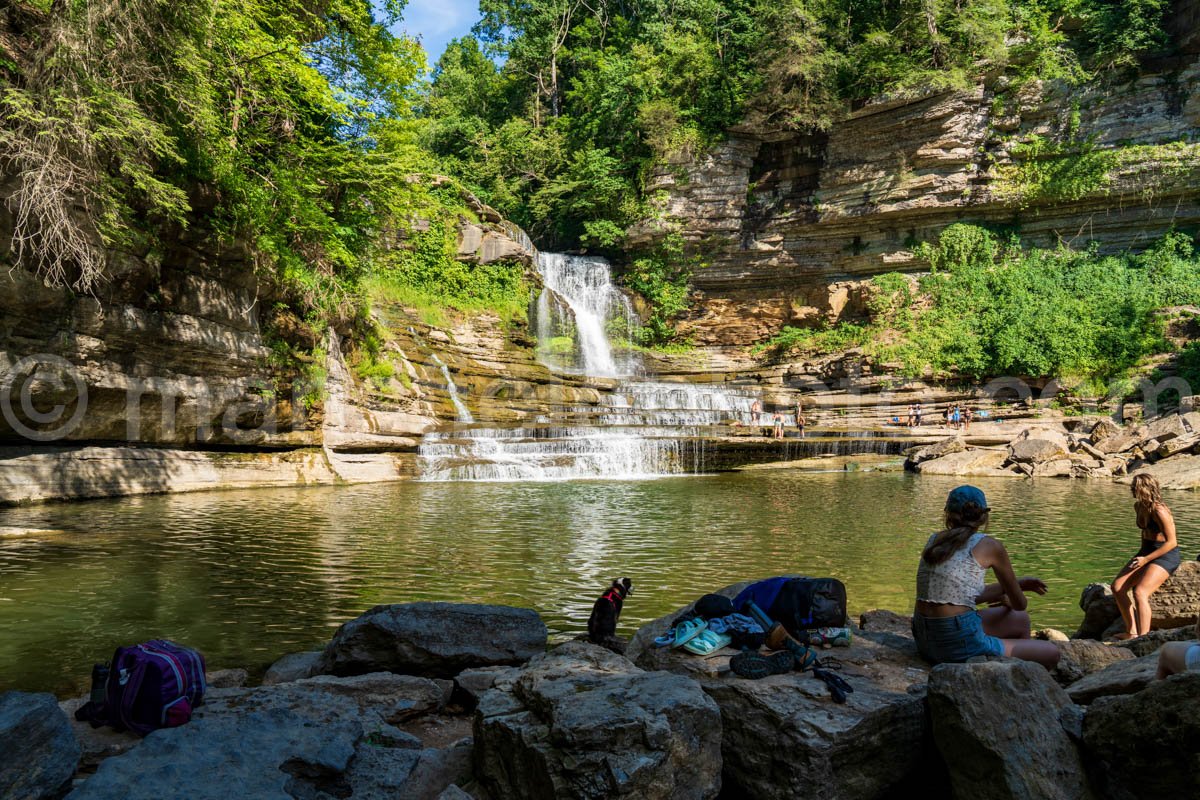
(808, 603)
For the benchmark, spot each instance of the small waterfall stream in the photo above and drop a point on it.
(642, 429)
(464, 415)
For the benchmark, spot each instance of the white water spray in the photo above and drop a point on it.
(583, 284)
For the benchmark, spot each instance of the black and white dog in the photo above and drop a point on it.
(602, 624)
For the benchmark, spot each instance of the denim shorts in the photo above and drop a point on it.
(954, 639)
(1191, 658)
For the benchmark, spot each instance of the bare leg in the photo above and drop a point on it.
(1120, 589)
(1152, 576)
(1044, 653)
(1005, 623)
(1172, 658)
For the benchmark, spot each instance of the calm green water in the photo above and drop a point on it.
(248, 576)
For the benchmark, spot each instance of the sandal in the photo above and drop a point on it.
(837, 685)
(708, 642)
(755, 666)
(689, 630)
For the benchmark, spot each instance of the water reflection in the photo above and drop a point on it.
(248, 576)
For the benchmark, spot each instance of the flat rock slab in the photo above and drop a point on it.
(783, 735)
(999, 727)
(320, 737)
(1121, 677)
(434, 639)
(38, 751)
(1150, 642)
(1147, 744)
(583, 722)
(96, 744)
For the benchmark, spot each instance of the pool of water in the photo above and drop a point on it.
(248, 576)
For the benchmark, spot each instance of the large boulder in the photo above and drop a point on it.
(1147, 745)
(1103, 430)
(968, 463)
(583, 722)
(1121, 677)
(951, 444)
(1081, 657)
(1171, 426)
(1124, 439)
(293, 667)
(319, 737)
(783, 735)
(1174, 605)
(1099, 610)
(1177, 472)
(38, 751)
(1177, 601)
(1037, 451)
(999, 727)
(434, 639)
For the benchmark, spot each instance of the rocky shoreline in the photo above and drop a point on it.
(1167, 447)
(447, 701)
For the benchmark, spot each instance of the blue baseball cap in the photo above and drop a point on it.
(959, 498)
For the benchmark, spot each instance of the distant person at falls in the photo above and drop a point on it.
(1156, 561)
(946, 625)
(800, 421)
(917, 411)
(778, 420)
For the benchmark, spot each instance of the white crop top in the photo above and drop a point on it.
(957, 580)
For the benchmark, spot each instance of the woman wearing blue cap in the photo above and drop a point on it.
(950, 585)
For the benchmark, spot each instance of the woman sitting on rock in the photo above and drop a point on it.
(950, 584)
(1155, 562)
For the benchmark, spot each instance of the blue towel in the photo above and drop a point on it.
(762, 593)
(735, 623)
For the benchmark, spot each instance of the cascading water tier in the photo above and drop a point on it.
(640, 429)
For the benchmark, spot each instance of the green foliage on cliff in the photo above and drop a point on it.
(662, 276)
(990, 307)
(587, 98)
(276, 122)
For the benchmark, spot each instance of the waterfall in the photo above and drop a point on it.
(579, 291)
(464, 415)
(641, 429)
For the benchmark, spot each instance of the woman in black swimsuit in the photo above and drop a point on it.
(1155, 562)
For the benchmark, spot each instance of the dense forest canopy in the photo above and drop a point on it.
(590, 93)
(313, 132)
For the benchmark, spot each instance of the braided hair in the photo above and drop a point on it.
(961, 524)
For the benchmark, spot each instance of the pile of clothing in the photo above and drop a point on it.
(803, 614)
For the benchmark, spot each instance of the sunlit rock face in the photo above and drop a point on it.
(787, 221)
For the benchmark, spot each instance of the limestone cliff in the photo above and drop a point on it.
(175, 376)
(788, 222)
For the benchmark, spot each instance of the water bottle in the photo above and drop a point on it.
(99, 679)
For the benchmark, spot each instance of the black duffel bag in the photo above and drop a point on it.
(807, 603)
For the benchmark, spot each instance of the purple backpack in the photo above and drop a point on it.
(153, 685)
